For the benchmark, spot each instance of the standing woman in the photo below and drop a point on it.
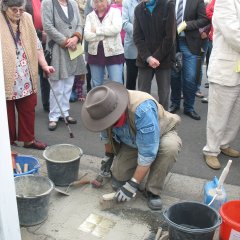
(21, 53)
(130, 49)
(102, 32)
(61, 21)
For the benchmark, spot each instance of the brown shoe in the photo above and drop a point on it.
(212, 162)
(35, 145)
(230, 152)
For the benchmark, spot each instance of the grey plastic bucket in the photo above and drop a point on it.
(62, 162)
(33, 195)
(191, 221)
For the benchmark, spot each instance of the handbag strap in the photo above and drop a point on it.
(51, 42)
(53, 14)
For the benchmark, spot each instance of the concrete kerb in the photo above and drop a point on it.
(68, 215)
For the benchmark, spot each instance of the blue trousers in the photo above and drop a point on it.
(185, 81)
(114, 72)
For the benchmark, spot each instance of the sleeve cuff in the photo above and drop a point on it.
(78, 35)
(99, 31)
(147, 60)
(145, 161)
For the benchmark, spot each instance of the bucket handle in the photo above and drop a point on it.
(186, 229)
(38, 165)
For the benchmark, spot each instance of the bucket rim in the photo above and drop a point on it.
(62, 144)
(32, 171)
(226, 218)
(52, 186)
(197, 230)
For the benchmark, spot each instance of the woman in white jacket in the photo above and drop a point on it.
(102, 32)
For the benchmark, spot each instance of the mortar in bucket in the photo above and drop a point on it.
(230, 227)
(33, 195)
(191, 221)
(62, 162)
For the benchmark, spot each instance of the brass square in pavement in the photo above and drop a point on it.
(97, 225)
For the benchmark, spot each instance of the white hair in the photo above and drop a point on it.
(93, 5)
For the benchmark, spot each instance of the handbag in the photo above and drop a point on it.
(48, 52)
(177, 66)
(48, 56)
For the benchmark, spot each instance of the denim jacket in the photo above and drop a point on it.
(147, 137)
(146, 117)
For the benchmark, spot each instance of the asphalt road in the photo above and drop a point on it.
(192, 133)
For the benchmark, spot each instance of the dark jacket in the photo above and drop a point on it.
(195, 17)
(154, 34)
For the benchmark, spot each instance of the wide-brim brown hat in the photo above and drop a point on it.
(104, 105)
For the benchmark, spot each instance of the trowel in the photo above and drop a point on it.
(75, 183)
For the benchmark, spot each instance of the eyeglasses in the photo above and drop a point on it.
(16, 10)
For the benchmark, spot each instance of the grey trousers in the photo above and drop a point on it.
(163, 78)
(223, 119)
(125, 163)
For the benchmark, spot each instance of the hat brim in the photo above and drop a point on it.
(106, 122)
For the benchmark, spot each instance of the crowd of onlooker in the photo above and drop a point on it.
(168, 39)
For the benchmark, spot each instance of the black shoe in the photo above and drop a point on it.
(204, 100)
(154, 201)
(69, 119)
(193, 115)
(173, 108)
(206, 85)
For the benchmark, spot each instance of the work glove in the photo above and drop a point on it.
(127, 191)
(106, 165)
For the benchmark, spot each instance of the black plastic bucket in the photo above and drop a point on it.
(33, 195)
(62, 162)
(191, 221)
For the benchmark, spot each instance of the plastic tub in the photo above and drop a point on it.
(33, 165)
(230, 227)
(62, 162)
(191, 221)
(33, 195)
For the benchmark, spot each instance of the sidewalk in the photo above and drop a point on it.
(71, 217)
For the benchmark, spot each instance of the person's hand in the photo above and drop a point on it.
(48, 69)
(93, 29)
(204, 35)
(153, 62)
(72, 42)
(44, 37)
(127, 191)
(181, 27)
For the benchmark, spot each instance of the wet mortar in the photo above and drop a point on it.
(62, 153)
(153, 220)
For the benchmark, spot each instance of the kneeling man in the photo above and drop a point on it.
(141, 135)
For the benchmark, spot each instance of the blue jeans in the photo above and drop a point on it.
(185, 80)
(114, 72)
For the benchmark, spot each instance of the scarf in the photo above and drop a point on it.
(150, 5)
(121, 121)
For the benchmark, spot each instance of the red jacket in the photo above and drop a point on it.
(209, 13)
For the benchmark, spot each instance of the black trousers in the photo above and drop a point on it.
(89, 78)
(163, 80)
(45, 89)
(132, 73)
